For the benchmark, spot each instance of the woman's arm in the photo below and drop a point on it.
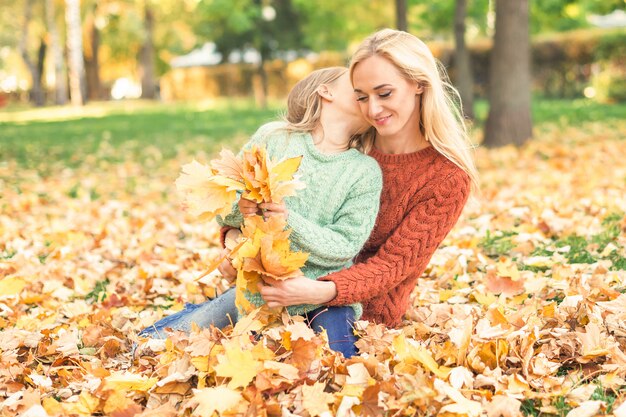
(406, 253)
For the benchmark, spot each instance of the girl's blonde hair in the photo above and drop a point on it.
(441, 119)
(304, 104)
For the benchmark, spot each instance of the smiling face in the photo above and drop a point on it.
(387, 100)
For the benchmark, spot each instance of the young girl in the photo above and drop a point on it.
(331, 218)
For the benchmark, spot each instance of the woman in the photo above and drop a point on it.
(421, 145)
(331, 218)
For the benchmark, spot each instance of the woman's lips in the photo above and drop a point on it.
(382, 120)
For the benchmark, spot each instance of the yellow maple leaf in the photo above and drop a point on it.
(207, 194)
(461, 405)
(127, 381)
(117, 400)
(411, 352)
(228, 165)
(268, 252)
(282, 181)
(237, 364)
(266, 180)
(593, 341)
(315, 400)
(87, 404)
(246, 282)
(11, 286)
(506, 268)
(210, 400)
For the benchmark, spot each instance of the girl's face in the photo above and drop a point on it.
(387, 100)
(345, 102)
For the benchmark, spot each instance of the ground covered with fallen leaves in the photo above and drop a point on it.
(522, 311)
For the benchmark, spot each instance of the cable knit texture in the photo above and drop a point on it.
(422, 198)
(333, 216)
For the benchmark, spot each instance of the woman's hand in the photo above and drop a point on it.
(294, 291)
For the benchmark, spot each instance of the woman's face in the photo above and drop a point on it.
(387, 100)
(345, 102)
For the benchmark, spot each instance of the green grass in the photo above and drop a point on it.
(564, 112)
(40, 138)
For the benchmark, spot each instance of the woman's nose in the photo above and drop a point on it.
(374, 107)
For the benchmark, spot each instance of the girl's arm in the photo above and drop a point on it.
(333, 245)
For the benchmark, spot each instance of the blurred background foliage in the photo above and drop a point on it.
(260, 47)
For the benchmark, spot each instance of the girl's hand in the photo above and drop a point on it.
(226, 268)
(274, 209)
(248, 208)
(294, 291)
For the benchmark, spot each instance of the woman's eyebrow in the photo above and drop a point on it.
(378, 87)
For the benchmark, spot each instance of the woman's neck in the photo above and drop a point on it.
(403, 142)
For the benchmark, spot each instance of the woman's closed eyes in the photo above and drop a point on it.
(385, 94)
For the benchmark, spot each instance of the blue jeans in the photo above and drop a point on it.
(219, 312)
(338, 322)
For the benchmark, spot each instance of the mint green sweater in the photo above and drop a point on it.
(332, 217)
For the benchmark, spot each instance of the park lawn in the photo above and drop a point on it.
(60, 136)
(118, 130)
(521, 308)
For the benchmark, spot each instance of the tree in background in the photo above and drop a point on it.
(562, 15)
(35, 68)
(509, 120)
(75, 52)
(268, 27)
(56, 55)
(464, 78)
(146, 55)
(91, 53)
(433, 19)
(329, 25)
(401, 23)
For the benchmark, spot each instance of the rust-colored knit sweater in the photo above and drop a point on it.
(422, 198)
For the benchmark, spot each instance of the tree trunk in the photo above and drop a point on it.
(509, 120)
(146, 57)
(92, 64)
(60, 82)
(401, 22)
(75, 52)
(36, 92)
(40, 99)
(464, 78)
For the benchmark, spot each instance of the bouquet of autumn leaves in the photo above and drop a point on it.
(264, 248)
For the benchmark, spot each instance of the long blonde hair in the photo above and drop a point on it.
(304, 104)
(441, 119)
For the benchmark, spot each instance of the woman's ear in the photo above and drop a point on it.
(325, 92)
(419, 89)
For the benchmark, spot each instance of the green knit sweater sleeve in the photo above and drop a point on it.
(335, 244)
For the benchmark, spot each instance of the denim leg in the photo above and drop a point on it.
(338, 322)
(220, 312)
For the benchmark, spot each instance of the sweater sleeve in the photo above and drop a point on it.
(407, 251)
(334, 244)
